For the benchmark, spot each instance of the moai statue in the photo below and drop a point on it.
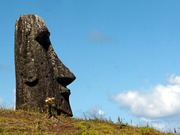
(39, 71)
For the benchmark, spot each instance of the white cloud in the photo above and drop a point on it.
(163, 102)
(100, 112)
(154, 124)
(94, 112)
(1, 101)
(159, 126)
(97, 36)
(145, 80)
(173, 79)
(133, 123)
(145, 120)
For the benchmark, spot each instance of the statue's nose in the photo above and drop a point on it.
(63, 75)
(66, 78)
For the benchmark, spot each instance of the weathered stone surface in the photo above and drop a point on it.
(39, 71)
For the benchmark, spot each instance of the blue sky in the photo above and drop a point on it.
(124, 54)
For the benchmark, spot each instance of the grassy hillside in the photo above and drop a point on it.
(26, 122)
(29, 122)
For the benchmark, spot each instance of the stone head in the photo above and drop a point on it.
(39, 71)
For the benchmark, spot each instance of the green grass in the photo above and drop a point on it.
(30, 122)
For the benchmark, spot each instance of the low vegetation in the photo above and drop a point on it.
(30, 122)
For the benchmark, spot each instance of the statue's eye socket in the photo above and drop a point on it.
(43, 34)
(43, 39)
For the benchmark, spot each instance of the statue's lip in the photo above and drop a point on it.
(64, 89)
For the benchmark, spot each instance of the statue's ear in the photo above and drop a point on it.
(30, 74)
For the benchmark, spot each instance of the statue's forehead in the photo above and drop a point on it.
(32, 23)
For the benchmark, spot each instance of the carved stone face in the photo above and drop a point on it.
(39, 72)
